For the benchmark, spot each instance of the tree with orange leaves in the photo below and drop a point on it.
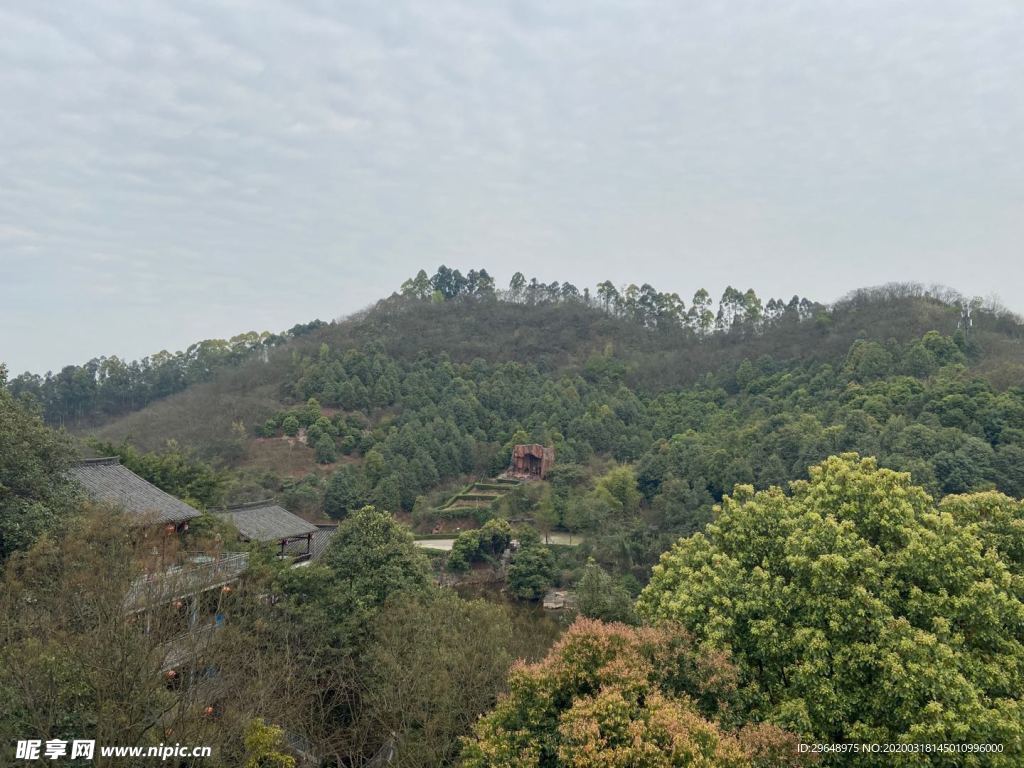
(613, 695)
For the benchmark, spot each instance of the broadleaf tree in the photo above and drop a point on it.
(859, 610)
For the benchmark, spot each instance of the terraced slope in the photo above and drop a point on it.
(475, 496)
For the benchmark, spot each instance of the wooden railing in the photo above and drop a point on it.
(197, 574)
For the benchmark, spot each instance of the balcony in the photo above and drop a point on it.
(197, 573)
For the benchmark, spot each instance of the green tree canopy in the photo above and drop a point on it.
(620, 484)
(600, 596)
(858, 610)
(370, 559)
(531, 571)
(34, 494)
(346, 491)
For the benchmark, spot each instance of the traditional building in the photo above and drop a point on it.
(531, 462)
(268, 523)
(179, 598)
(107, 481)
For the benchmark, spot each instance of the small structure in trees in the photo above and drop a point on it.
(317, 544)
(266, 522)
(531, 462)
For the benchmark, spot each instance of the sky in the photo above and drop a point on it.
(174, 171)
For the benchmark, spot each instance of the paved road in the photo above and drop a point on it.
(446, 544)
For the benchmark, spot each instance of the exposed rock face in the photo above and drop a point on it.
(531, 462)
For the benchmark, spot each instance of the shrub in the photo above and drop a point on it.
(531, 572)
(325, 450)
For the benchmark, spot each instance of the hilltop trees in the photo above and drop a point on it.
(700, 317)
(105, 388)
(418, 287)
(448, 284)
(738, 311)
(857, 610)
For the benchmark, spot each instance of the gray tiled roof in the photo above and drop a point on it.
(266, 521)
(108, 482)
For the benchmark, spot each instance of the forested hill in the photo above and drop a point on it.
(107, 387)
(661, 341)
(631, 350)
(433, 385)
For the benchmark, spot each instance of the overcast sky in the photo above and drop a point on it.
(172, 171)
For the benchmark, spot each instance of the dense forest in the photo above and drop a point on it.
(791, 523)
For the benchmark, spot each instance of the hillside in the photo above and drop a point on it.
(419, 395)
(559, 338)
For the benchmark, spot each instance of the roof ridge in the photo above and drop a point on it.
(250, 505)
(99, 461)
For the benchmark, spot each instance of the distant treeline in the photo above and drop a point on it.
(109, 386)
(736, 310)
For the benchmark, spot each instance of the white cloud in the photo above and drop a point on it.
(198, 168)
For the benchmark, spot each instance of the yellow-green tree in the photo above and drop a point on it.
(612, 695)
(860, 610)
(264, 747)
